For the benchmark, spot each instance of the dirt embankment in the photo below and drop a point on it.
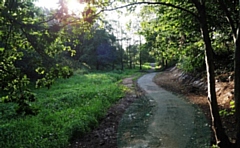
(195, 90)
(172, 79)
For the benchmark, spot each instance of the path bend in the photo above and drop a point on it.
(162, 119)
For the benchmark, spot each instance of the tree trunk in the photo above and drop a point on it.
(140, 59)
(140, 54)
(130, 61)
(122, 64)
(166, 64)
(237, 87)
(163, 63)
(127, 57)
(235, 34)
(219, 133)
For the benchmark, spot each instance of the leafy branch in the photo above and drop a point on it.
(154, 3)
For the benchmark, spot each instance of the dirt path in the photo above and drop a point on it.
(162, 119)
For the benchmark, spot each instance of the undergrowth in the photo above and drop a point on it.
(68, 109)
(230, 111)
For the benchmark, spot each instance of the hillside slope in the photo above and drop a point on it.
(195, 90)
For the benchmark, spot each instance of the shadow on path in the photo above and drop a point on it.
(162, 119)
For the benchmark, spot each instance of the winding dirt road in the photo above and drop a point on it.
(161, 119)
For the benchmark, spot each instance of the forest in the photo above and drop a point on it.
(60, 70)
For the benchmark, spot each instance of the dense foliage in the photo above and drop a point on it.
(170, 37)
(39, 47)
(47, 95)
(194, 31)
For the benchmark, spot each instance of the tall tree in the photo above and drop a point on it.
(198, 9)
(27, 32)
(232, 13)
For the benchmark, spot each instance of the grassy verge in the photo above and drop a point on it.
(69, 108)
(147, 66)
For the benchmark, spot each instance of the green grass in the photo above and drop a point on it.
(68, 109)
(147, 66)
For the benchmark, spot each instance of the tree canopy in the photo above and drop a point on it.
(40, 45)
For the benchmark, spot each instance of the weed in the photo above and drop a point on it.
(67, 110)
(230, 111)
